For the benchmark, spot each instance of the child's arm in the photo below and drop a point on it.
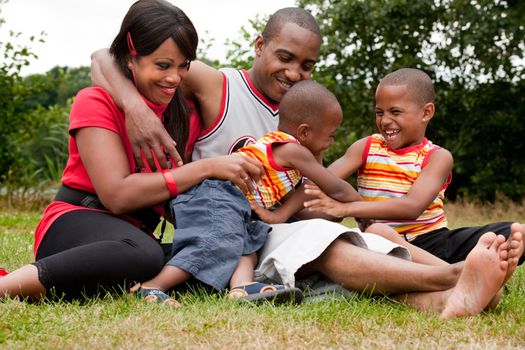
(293, 155)
(351, 161)
(293, 206)
(423, 192)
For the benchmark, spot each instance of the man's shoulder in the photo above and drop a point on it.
(230, 71)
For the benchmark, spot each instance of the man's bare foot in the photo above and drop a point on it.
(515, 247)
(482, 277)
(515, 251)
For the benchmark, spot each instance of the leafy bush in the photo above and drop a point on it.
(473, 50)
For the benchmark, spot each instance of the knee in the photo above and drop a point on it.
(332, 253)
(148, 257)
(384, 231)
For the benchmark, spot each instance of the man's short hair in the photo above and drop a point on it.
(418, 82)
(296, 15)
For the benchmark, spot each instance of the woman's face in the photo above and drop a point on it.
(158, 75)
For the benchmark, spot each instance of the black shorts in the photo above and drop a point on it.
(454, 245)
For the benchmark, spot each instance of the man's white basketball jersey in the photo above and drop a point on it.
(245, 116)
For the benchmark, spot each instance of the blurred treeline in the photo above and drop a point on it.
(474, 50)
(34, 114)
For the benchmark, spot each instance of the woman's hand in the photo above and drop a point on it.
(323, 203)
(244, 172)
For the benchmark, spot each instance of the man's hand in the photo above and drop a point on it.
(323, 203)
(149, 137)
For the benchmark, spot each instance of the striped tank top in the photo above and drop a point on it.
(388, 174)
(277, 181)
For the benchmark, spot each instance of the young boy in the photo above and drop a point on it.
(216, 240)
(402, 176)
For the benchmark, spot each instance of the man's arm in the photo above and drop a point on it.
(204, 84)
(145, 130)
(421, 194)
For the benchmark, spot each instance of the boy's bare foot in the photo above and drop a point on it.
(481, 279)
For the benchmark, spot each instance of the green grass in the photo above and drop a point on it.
(210, 321)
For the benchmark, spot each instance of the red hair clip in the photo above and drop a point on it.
(131, 46)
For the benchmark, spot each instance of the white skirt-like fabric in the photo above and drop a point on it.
(292, 245)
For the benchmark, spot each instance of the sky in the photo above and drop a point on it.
(76, 28)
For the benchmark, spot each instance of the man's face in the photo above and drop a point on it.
(287, 58)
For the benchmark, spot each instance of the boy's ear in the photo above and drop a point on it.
(302, 132)
(428, 111)
(259, 43)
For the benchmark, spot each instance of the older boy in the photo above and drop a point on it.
(402, 175)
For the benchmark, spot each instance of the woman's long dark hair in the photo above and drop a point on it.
(150, 23)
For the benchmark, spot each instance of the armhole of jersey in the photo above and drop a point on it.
(222, 109)
(271, 159)
(365, 151)
(427, 156)
(427, 159)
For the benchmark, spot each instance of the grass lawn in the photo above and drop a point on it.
(209, 321)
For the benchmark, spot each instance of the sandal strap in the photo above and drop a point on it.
(160, 296)
(257, 287)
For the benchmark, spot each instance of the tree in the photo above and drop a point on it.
(473, 50)
(13, 93)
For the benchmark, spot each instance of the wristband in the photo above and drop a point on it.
(170, 183)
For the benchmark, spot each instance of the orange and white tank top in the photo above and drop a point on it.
(387, 174)
(277, 181)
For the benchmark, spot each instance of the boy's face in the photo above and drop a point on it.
(287, 58)
(321, 135)
(399, 118)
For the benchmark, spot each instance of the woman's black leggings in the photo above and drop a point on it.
(86, 252)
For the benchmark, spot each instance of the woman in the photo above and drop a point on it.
(96, 235)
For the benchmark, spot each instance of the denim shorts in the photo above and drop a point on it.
(213, 229)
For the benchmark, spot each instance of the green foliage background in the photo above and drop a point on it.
(473, 49)
(33, 118)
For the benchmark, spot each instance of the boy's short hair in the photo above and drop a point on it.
(420, 84)
(295, 15)
(305, 102)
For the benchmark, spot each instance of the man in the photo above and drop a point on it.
(239, 106)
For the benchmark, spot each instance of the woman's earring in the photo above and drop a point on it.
(130, 66)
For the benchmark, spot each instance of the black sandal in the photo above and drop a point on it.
(156, 296)
(258, 292)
